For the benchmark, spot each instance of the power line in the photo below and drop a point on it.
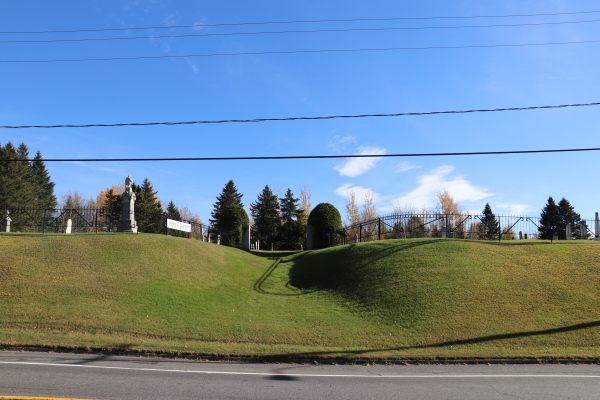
(303, 21)
(256, 53)
(255, 158)
(295, 31)
(225, 121)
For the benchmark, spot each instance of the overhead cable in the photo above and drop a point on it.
(325, 117)
(202, 25)
(256, 53)
(196, 35)
(256, 158)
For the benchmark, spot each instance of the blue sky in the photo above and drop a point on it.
(285, 85)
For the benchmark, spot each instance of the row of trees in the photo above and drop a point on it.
(279, 222)
(24, 183)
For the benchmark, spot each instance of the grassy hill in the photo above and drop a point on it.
(388, 299)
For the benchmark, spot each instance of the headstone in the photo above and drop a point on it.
(525, 235)
(69, 226)
(258, 245)
(443, 232)
(219, 238)
(355, 238)
(271, 246)
(520, 235)
(583, 228)
(6, 223)
(301, 248)
(568, 230)
(310, 237)
(246, 237)
(555, 236)
(450, 235)
(597, 233)
(127, 222)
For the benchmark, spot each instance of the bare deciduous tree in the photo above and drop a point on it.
(305, 205)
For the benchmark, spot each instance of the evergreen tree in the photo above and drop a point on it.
(291, 233)
(15, 177)
(148, 209)
(231, 221)
(489, 226)
(567, 215)
(174, 214)
(550, 220)
(265, 215)
(228, 197)
(43, 187)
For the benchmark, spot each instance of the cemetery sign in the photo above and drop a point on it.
(178, 225)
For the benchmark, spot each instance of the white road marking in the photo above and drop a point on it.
(437, 376)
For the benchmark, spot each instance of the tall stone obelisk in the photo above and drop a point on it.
(127, 222)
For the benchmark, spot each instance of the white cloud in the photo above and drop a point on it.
(439, 180)
(358, 166)
(513, 209)
(359, 192)
(405, 166)
(198, 26)
(339, 142)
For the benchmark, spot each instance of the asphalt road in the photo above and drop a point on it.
(61, 375)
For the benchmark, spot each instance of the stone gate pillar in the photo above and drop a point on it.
(246, 237)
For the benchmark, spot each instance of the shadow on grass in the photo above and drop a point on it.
(258, 285)
(477, 340)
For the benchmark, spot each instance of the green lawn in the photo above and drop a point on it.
(421, 298)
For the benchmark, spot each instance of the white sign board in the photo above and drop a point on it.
(180, 226)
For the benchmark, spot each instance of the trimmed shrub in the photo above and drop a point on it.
(322, 218)
(232, 218)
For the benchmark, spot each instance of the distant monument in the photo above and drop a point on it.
(6, 223)
(127, 222)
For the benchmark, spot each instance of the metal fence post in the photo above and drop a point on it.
(379, 229)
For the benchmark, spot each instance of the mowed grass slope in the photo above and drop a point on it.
(388, 299)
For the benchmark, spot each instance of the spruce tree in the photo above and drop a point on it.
(174, 214)
(549, 220)
(489, 224)
(16, 189)
(43, 187)
(291, 234)
(567, 215)
(228, 197)
(148, 209)
(266, 219)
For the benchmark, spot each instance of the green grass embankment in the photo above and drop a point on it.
(388, 299)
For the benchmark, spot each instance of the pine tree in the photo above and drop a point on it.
(567, 215)
(43, 187)
(291, 233)
(265, 215)
(549, 220)
(228, 197)
(489, 226)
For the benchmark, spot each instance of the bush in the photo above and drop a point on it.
(322, 218)
(232, 218)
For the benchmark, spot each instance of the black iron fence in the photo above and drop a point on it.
(102, 220)
(457, 226)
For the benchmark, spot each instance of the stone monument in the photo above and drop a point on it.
(127, 222)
